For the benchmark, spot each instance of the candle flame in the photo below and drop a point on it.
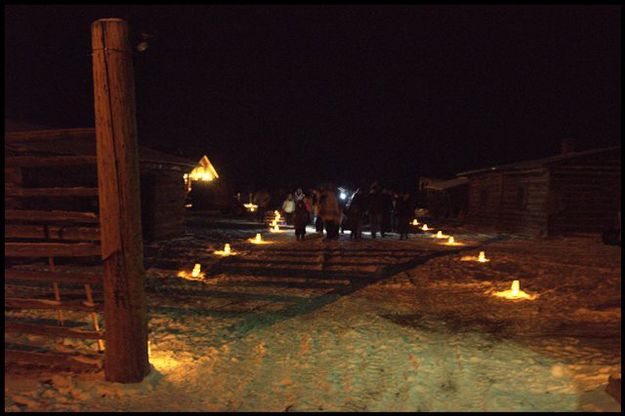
(227, 249)
(515, 288)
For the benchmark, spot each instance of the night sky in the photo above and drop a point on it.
(298, 94)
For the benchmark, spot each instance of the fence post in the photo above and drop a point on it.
(126, 354)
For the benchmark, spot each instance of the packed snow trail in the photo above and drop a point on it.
(341, 326)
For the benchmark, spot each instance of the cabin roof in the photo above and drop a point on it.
(539, 163)
(440, 185)
(87, 146)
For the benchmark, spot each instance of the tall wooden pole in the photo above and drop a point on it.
(126, 352)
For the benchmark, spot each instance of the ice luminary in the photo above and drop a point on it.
(451, 240)
(258, 240)
(415, 222)
(226, 251)
(196, 270)
(425, 227)
(515, 292)
(482, 257)
(196, 273)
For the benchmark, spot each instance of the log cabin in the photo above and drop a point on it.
(162, 183)
(574, 192)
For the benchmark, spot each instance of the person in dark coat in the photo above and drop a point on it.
(403, 213)
(354, 211)
(376, 209)
(301, 218)
(387, 212)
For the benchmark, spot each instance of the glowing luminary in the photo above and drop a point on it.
(250, 207)
(227, 251)
(425, 227)
(258, 238)
(196, 273)
(277, 214)
(196, 270)
(515, 292)
(451, 240)
(275, 229)
(415, 222)
(482, 257)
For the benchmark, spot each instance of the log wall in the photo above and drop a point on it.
(585, 194)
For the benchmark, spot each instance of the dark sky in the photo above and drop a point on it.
(304, 93)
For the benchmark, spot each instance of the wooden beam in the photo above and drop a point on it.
(33, 215)
(52, 331)
(55, 134)
(54, 359)
(125, 310)
(46, 161)
(26, 192)
(51, 232)
(69, 305)
(12, 249)
(44, 276)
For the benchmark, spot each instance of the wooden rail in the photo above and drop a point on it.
(53, 331)
(43, 276)
(71, 305)
(56, 134)
(33, 215)
(26, 192)
(52, 232)
(12, 249)
(46, 161)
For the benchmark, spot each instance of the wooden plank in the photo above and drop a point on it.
(31, 275)
(12, 249)
(54, 359)
(51, 232)
(54, 134)
(47, 161)
(26, 192)
(53, 331)
(69, 305)
(33, 215)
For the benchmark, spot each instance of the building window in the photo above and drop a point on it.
(521, 197)
(483, 197)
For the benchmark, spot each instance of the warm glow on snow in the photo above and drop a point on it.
(196, 273)
(258, 240)
(250, 207)
(515, 292)
(440, 235)
(225, 252)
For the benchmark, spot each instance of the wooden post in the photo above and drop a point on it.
(126, 352)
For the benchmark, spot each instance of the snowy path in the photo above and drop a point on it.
(349, 326)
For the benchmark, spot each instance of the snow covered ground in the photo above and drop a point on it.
(368, 325)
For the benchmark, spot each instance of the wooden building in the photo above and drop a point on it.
(446, 198)
(573, 192)
(162, 184)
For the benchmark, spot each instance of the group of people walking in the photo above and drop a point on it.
(384, 210)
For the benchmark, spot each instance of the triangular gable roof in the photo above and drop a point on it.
(537, 163)
(204, 169)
